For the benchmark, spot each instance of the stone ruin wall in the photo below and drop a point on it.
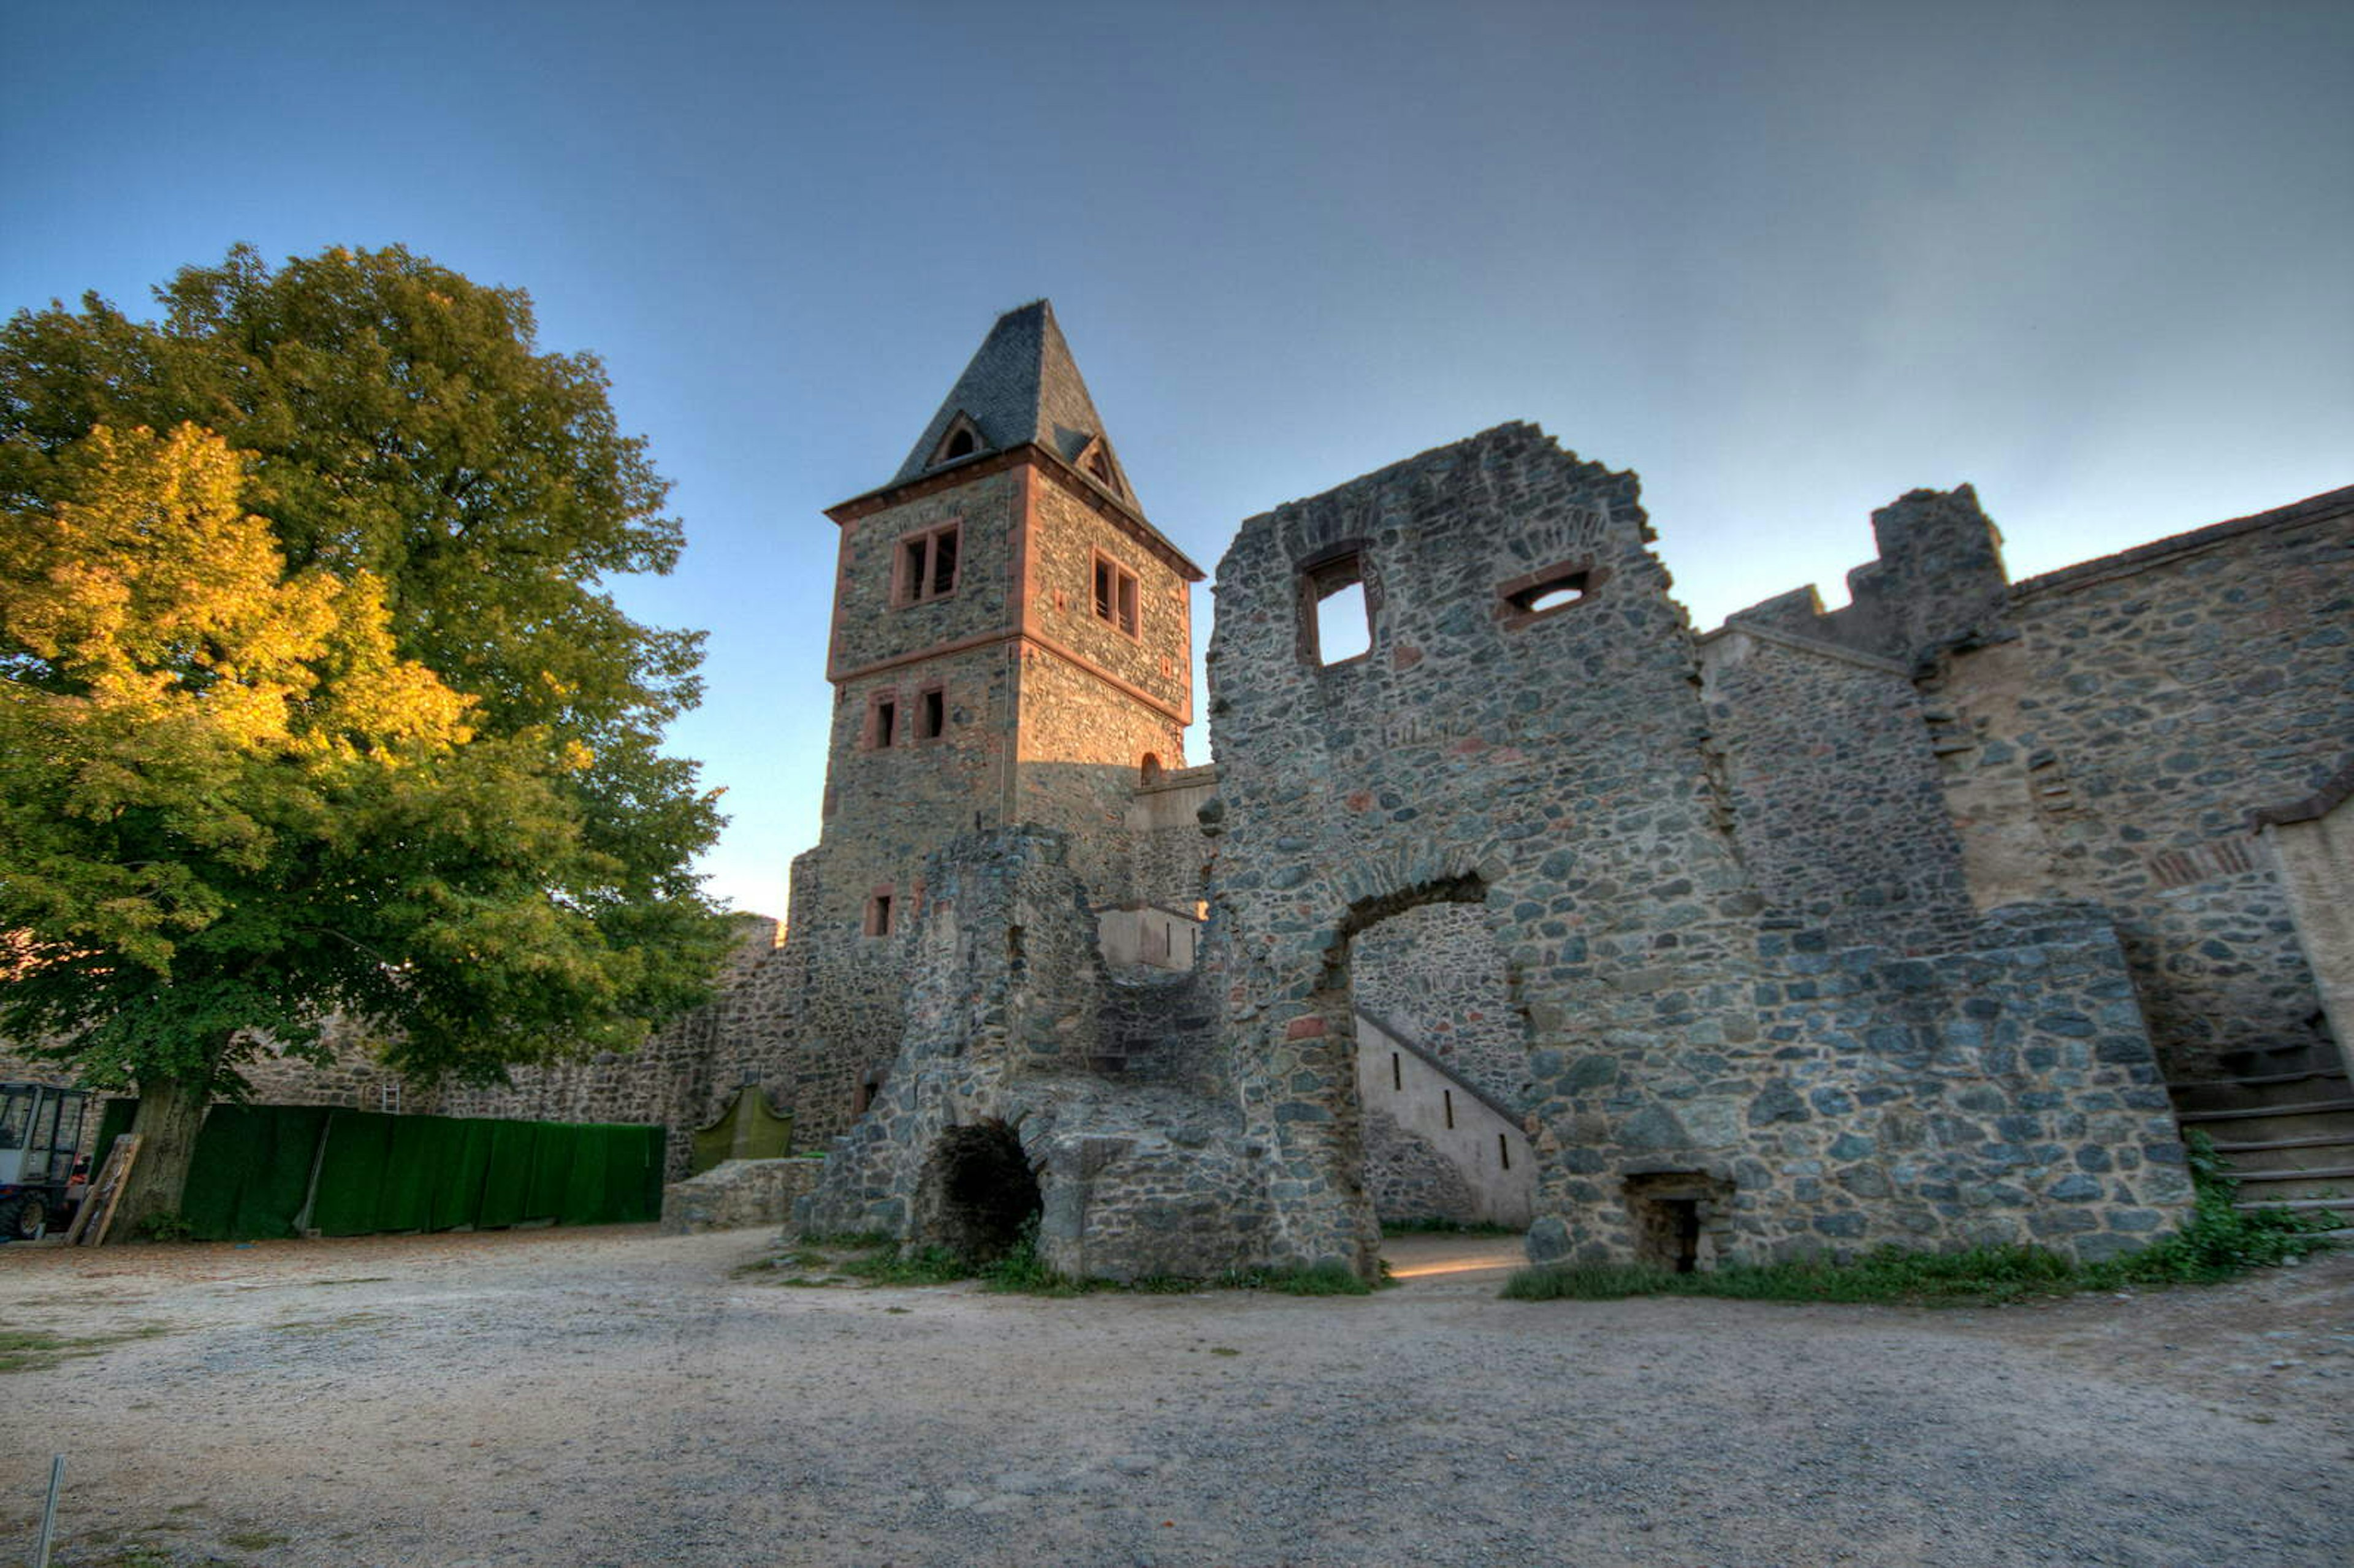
(2100, 735)
(1137, 1175)
(1834, 788)
(2117, 750)
(1558, 774)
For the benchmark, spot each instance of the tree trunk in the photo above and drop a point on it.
(171, 1110)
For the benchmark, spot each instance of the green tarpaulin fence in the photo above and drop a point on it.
(257, 1169)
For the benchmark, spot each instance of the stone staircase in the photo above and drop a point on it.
(1154, 1026)
(2285, 1119)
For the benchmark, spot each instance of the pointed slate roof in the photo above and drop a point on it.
(1022, 385)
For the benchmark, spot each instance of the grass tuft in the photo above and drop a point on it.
(39, 1349)
(2219, 1243)
(1436, 1227)
(1327, 1278)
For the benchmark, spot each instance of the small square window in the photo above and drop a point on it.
(1116, 595)
(927, 566)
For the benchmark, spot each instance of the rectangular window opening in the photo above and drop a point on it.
(887, 722)
(944, 563)
(1504, 1151)
(931, 714)
(927, 566)
(1397, 1076)
(1447, 1097)
(1116, 595)
(878, 914)
(1341, 615)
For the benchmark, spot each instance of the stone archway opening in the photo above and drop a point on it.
(977, 1193)
(1423, 998)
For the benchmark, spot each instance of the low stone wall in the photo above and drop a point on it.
(2002, 1095)
(735, 1194)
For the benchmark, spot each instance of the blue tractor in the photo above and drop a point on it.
(40, 1132)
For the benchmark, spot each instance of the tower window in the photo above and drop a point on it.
(961, 444)
(931, 712)
(878, 913)
(927, 565)
(882, 720)
(1115, 598)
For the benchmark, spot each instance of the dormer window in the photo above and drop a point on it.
(1095, 458)
(961, 439)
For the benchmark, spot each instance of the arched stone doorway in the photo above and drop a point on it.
(976, 1194)
(1432, 1078)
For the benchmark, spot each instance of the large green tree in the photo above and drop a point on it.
(313, 699)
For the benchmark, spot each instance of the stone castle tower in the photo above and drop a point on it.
(1012, 643)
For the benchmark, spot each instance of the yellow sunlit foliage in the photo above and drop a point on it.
(168, 664)
(154, 595)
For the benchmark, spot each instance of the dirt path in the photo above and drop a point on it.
(611, 1397)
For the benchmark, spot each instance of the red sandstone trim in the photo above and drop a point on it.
(1020, 593)
(1182, 716)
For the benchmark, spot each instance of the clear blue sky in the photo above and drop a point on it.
(1786, 261)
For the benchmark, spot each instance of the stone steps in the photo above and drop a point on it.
(2252, 1113)
(2303, 1206)
(2262, 1090)
(1154, 1028)
(2284, 1125)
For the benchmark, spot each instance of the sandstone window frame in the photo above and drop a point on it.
(880, 920)
(927, 563)
(886, 725)
(1517, 599)
(1116, 596)
(1324, 574)
(928, 720)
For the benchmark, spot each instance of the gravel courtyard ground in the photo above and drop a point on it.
(609, 1396)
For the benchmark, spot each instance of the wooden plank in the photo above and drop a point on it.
(104, 1193)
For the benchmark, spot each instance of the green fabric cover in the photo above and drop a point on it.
(551, 1167)
(232, 1149)
(748, 1129)
(350, 1176)
(113, 1121)
(405, 1194)
(271, 1196)
(458, 1171)
(253, 1165)
(508, 1177)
